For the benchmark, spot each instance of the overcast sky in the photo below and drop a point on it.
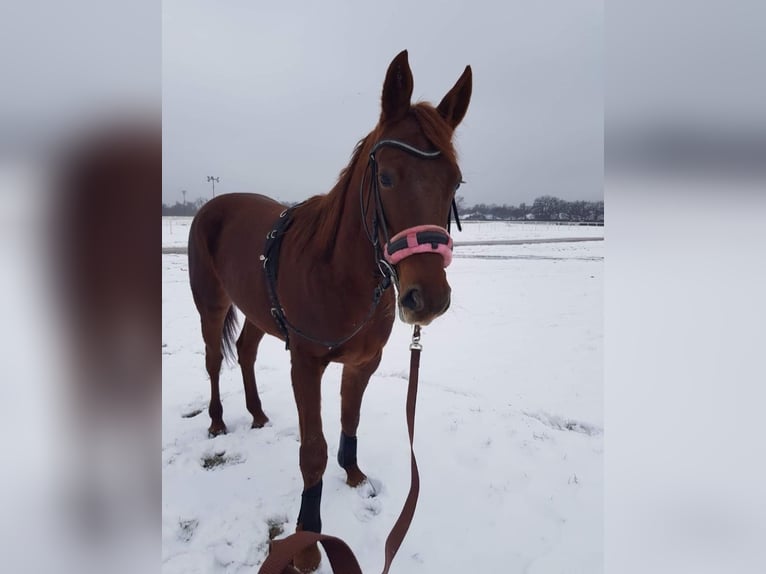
(272, 97)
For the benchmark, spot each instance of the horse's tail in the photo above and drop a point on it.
(230, 329)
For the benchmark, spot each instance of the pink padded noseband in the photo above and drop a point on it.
(419, 239)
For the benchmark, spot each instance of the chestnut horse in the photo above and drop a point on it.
(337, 254)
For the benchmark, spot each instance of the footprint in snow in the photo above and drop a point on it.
(288, 432)
(370, 488)
(369, 504)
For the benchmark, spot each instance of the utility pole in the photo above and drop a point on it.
(213, 180)
(183, 192)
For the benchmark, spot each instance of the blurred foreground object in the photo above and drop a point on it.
(80, 180)
(104, 250)
(685, 194)
(106, 278)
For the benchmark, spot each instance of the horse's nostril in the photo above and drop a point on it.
(413, 299)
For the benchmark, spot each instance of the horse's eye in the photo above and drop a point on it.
(458, 184)
(385, 180)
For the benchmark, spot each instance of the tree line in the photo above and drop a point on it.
(544, 208)
(183, 208)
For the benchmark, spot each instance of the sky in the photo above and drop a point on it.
(272, 97)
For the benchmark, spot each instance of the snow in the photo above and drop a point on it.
(509, 429)
(175, 230)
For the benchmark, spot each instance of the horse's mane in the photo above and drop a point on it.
(319, 216)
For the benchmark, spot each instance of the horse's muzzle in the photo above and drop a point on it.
(417, 307)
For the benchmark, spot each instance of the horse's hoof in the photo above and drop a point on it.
(216, 429)
(308, 560)
(354, 476)
(259, 421)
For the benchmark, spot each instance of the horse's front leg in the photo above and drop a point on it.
(353, 384)
(306, 378)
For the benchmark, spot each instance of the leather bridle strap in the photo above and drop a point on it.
(270, 259)
(342, 559)
(379, 222)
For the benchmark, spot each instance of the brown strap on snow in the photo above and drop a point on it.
(281, 553)
(342, 559)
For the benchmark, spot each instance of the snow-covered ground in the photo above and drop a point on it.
(175, 231)
(509, 430)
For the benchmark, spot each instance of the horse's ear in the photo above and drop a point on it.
(455, 104)
(397, 89)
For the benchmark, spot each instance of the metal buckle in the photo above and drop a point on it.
(388, 270)
(415, 344)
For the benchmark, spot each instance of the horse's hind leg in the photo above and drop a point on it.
(212, 333)
(247, 349)
(352, 387)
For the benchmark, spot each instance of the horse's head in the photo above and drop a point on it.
(415, 179)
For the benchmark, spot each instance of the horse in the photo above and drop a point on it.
(318, 275)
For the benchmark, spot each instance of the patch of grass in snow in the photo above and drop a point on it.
(217, 459)
(187, 528)
(573, 479)
(559, 423)
(191, 414)
(276, 527)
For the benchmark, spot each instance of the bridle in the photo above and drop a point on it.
(410, 241)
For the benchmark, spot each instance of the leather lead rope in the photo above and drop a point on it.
(342, 559)
(402, 524)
